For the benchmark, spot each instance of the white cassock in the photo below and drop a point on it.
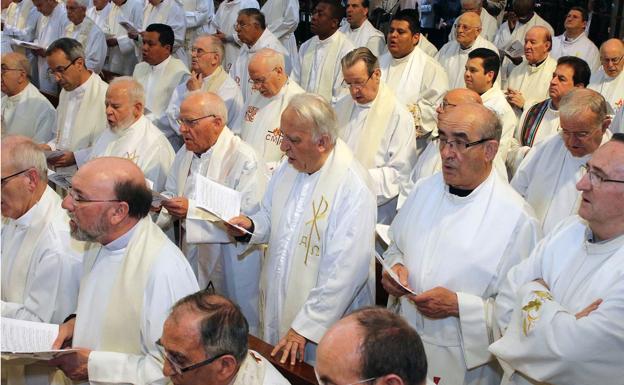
(282, 19)
(240, 72)
(122, 58)
(612, 89)
(321, 72)
(467, 245)
(617, 125)
(93, 42)
(20, 21)
(100, 17)
(172, 13)
(126, 293)
(199, 15)
(427, 82)
(543, 339)
(219, 83)
(224, 21)
(580, 47)
(159, 82)
(257, 370)
(532, 81)
(494, 99)
(366, 36)
(49, 29)
(80, 115)
(319, 264)
(259, 124)
(427, 47)
(489, 25)
(142, 143)
(382, 137)
(452, 57)
(30, 114)
(547, 179)
(218, 260)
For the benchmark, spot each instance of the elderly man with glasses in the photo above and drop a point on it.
(564, 303)
(452, 243)
(132, 276)
(204, 341)
(609, 79)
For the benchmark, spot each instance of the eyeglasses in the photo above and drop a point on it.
(80, 200)
(355, 86)
(260, 81)
(446, 104)
(61, 70)
(461, 27)
(6, 69)
(321, 382)
(193, 122)
(179, 369)
(200, 52)
(577, 135)
(614, 60)
(458, 145)
(595, 179)
(6, 178)
(238, 25)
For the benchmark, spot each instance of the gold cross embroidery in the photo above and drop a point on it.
(317, 213)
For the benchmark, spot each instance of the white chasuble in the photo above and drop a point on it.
(365, 36)
(122, 58)
(543, 341)
(224, 20)
(48, 29)
(580, 47)
(100, 18)
(282, 18)
(172, 13)
(453, 58)
(532, 81)
(467, 245)
(28, 113)
(612, 89)
(20, 21)
(426, 46)
(93, 42)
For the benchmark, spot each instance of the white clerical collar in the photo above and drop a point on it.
(255, 47)
(121, 242)
(330, 39)
(536, 67)
(365, 106)
(465, 199)
(403, 59)
(355, 30)
(567, 40)
(16, 98)
(280, 94)
(26, 219)
(78, 92)
(160, 66)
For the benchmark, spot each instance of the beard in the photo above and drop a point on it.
(122, 125)
(91, 234)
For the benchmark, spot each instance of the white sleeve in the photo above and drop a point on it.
(96, 50)
(288, 22)
(200, 15)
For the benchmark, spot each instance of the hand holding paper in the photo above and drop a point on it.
(26, 339)
(394, 279)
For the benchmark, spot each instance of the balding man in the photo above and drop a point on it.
(130, 134)
(547, 175)
(213, 151)
(563, 303)
(25, 111)
(207, 328)
(259, 125)
(121, 48)
(528, 82)
(488, 22)
(225, 22)
(452, 243)
(84, 29)
(609, 79)
(359, 30)
(377, 128)
(454, 54)
(133, 275)
(574, 41)
(318, 217)
(252, 32)
(355, 350)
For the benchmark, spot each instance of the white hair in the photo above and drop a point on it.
(214, 104)
(271, 57)
(135, 90)
(82, 3)
(318, 112)
(23, 154)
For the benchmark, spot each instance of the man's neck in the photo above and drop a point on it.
(22, 87)
(554, 103)
(324, 37)
(467, 46)
(51, 11)
(84, 77)
(36, 197)
(573, 34)
(209, 71)
(404, 56)
(80, 22)
(538, 62)
(357, 25)
(119, 231)
(160, 62)
(606, 232)
(255, 40)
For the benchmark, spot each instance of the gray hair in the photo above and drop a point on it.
(215, 43)
(24, 154)
(364, 54)
(477, 3)
(216, 105)
(271, 57)
(82, 3)
(579, 100)
(20, 61)
(135, 90)
(70, 47)
(317, 111)
(491, 126)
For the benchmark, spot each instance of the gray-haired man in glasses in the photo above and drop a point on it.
(560, 310)
(204, 341)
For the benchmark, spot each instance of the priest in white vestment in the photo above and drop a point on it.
(377, 128)
(50, 27)
(426, 46)
(318, 217)
(171, 13)
(560, 309)
(282, 19)
(198, 15)
(321, 54)
(132, 276)
(211, 150)
(80, 115)
(24, 110)
(360, 31)
(609, 79)
(548, 174)
(41, 265)
(207, 74)
(20, 21)
(207, 328)
(452, 243)
(489, 25)
(160, 73)
(254, 36)
(259, 124)
(88, 33)
(225, 22)
(121, 48)
(454, 54)
(406, 64)
(98, 12)
(574, 41)
(131, 135)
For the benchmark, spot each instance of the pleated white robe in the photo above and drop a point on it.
(30, 114)
(282, 19)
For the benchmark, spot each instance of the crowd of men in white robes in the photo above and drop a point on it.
(486, 176)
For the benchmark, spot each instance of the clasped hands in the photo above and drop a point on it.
(583, 313)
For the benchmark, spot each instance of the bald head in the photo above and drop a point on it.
(207, 103)
(266, 70)
(537, 44)
(202, 116)
(16, 69)
(610, 51)
(112, 170)
(468, 29)
(456, 97)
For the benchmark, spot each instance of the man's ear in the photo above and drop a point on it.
(227, 367)
(324, 143)
(491, 148)
(120, 213)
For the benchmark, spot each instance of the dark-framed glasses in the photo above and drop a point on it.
(355, 86)
(177, 367)
(458, 144)
(200, 52)
(595, 179)
(7, 178)
(61, 70)
(193, 122)
(77, 198)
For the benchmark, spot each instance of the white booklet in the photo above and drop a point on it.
(392, 274)
(514, 49)
(28, 44)
(219, 200)
(128, 26)
(26, 339)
